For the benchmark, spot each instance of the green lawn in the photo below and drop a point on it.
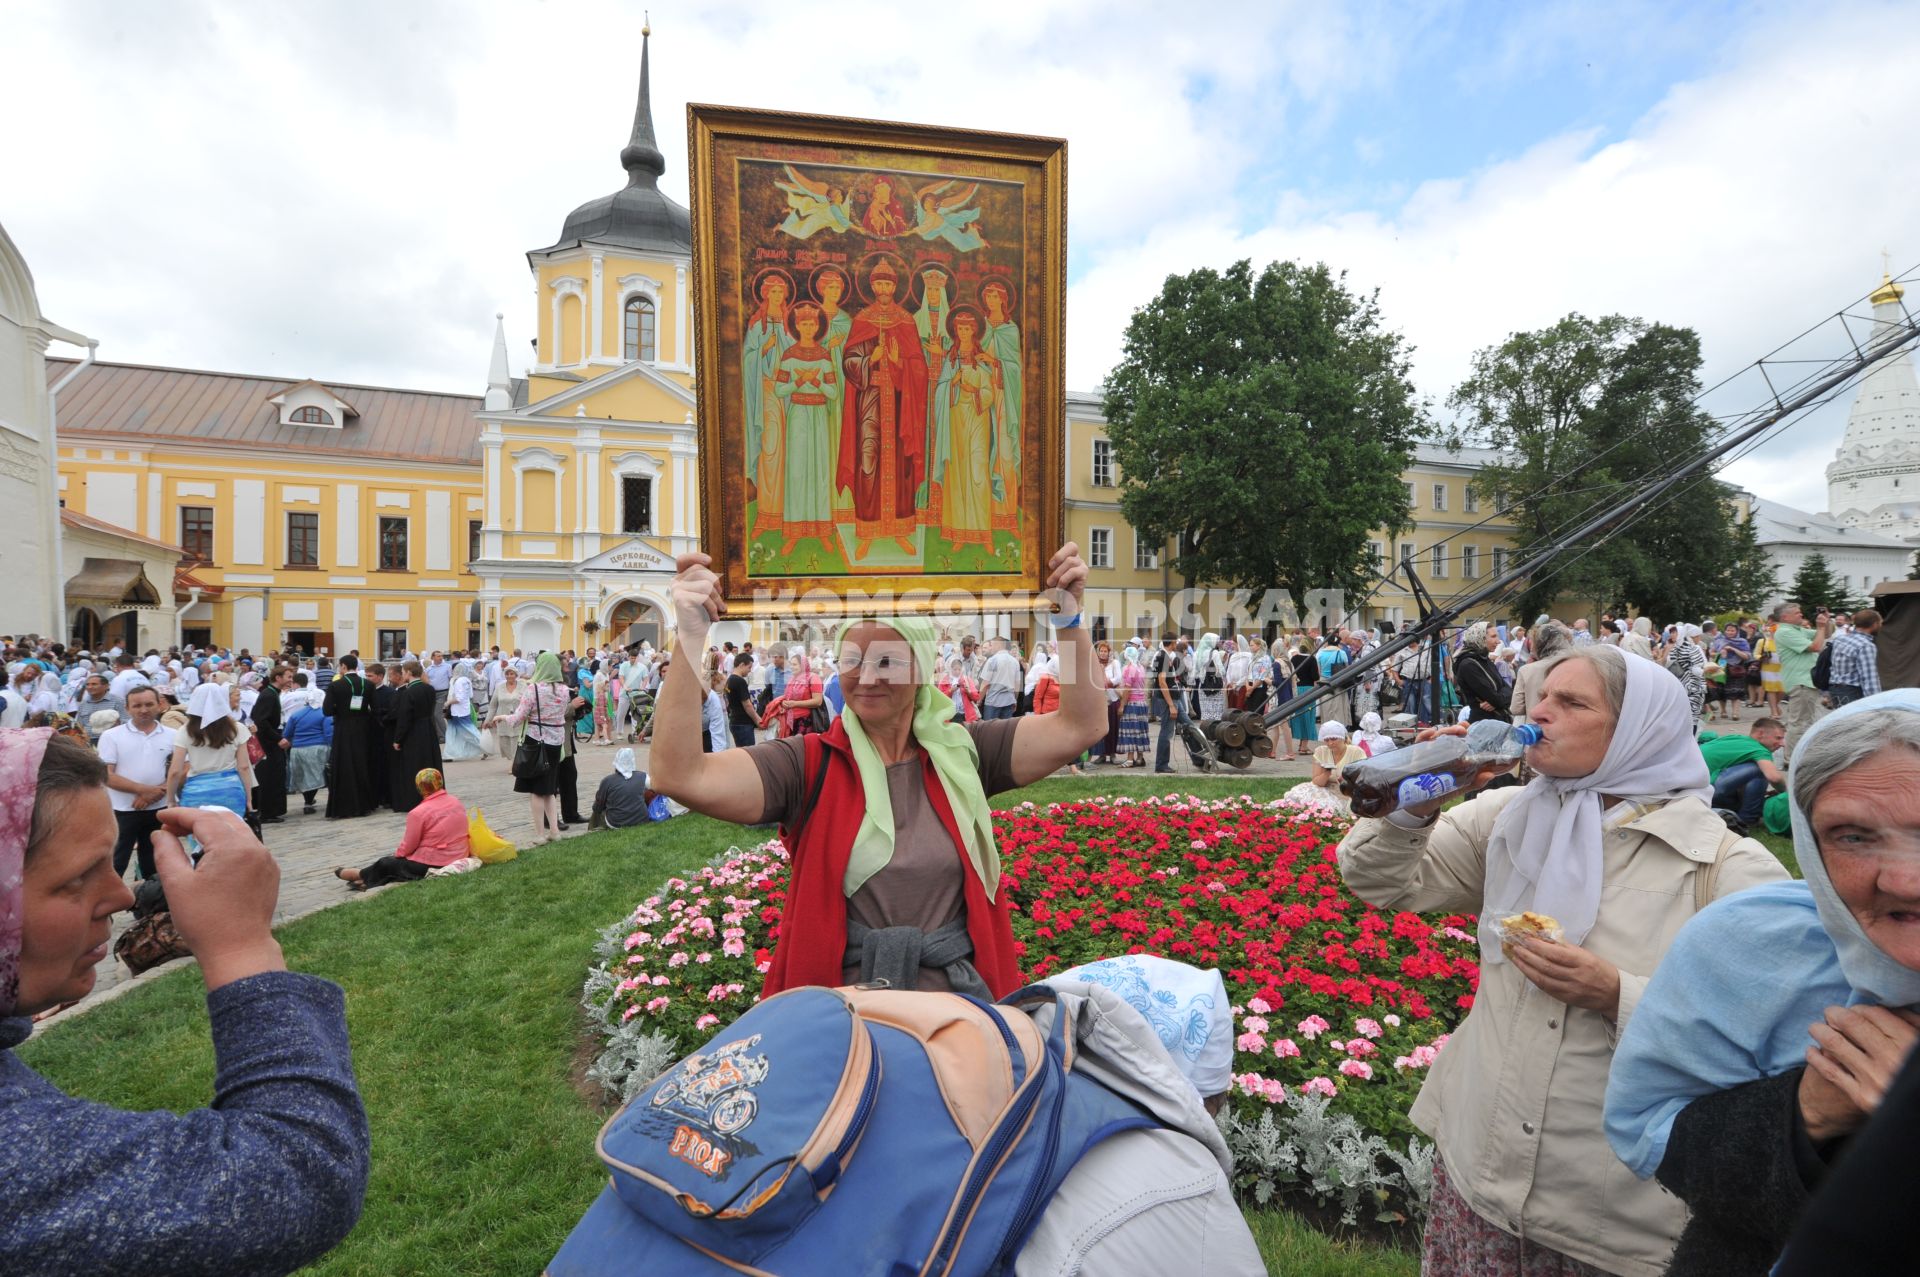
(462, 1001)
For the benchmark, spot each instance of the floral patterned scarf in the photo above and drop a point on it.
(20, 755)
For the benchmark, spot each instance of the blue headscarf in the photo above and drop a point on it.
(1732, 1000)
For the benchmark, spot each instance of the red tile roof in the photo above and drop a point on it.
(74, 519)
(189, 405)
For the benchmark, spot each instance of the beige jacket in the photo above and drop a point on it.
(1514, 1101)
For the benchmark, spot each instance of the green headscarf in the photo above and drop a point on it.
(949, 747)
(546, 669)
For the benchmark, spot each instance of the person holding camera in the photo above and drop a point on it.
(1799, 648)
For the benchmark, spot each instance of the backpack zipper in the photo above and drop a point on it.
(829, 1171)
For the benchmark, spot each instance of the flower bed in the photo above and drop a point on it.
(1340, 1007)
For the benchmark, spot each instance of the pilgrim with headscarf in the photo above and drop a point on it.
(622, 799)
(353, 785)
(1613, 841)
(464, 740)
(1776, 1022)
(896, 871)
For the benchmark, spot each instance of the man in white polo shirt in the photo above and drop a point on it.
(136, 754)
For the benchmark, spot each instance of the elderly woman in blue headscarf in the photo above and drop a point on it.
(1773, 1029)
(895, 875)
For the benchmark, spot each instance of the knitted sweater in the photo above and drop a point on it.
(268, 1178)
(1742, 1162)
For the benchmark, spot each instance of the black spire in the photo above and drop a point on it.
(641, 156)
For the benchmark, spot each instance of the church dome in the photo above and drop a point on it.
(637, 216)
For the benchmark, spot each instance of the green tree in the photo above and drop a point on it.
(1586, 413)
(1261, 425)
(1751, 576)
(1815, 586)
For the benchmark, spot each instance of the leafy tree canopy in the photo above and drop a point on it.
(1589, 412)
(1261, 424)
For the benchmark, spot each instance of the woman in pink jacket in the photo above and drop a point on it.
(436, 835)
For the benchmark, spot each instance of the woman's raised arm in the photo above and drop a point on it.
(726, 785)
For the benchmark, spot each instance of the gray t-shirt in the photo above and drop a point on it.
(922, 885)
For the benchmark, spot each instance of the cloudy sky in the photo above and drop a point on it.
(346, 190)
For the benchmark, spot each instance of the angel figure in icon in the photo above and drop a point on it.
(813, 206)
(941, 215)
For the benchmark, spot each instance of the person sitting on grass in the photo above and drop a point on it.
(896, 872)
(436, 835)
(623, 799)
(268, 1178)
(1743, 771)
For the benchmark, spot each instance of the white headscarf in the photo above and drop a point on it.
(1546, 852)
(1186, 1007)
(209, 704)
(1370, 737)
(623, 762)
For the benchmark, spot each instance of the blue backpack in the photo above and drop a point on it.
(844, 1131)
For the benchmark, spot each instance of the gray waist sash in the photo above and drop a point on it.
(896, 954)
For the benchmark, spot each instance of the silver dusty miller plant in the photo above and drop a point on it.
(1328, 1157)
(633, 1053)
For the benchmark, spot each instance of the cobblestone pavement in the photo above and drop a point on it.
(309, 847)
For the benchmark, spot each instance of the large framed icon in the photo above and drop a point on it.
(880, 318)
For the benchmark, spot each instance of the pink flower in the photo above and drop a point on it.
(1361, 1047)
(1312, 1027)
(1368, 1028)
(1250, 1042)
(1264, 1088)
(1285, 1049)
(706, 1021)
(1258, 1006)
(703, 957)
(1393, 1021)
(1356, 1068)
(1320, 1086)
(1254, 1024)
(679, 959)
(734, 948)
(658, 1005)
(659, 980)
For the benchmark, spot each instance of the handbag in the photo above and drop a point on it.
(256, 752)
(150, 941)
(530, 759)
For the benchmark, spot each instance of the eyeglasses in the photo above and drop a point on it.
(891, 666)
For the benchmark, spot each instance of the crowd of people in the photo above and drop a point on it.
(1660, 1082)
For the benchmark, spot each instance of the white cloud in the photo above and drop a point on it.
(1746, 205)
(347, 190)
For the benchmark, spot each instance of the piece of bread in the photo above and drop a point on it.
(1515, 926)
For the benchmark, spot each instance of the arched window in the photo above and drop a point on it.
(639, 329)
(311, 416)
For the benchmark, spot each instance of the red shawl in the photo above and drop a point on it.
(813, 927)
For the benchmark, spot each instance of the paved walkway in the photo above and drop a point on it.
(309, 847)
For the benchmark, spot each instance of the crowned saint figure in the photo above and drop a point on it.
(883, 429)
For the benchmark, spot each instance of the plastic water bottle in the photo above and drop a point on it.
(1433, 769)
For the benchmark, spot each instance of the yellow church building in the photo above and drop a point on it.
(322, 515)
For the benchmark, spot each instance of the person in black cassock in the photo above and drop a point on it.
(385, 681)
(350, 788)
(415, 748)
(270, 773)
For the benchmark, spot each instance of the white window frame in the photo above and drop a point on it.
(1469, 562)
(1378, 551)
(1499, 560)
(1470, 500)
(1144, 558)
(1100, 445)
(1413, 499)
(1100, 555)
(1440, 497)
(1437, 561)
(1408, 552)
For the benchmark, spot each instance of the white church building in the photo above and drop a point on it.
(1873, 485)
